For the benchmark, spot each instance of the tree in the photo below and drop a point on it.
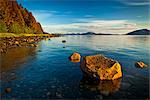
(16, 28)
(3, 27)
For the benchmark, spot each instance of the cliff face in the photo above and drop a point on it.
(16, 19)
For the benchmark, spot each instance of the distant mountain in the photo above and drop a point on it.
(140, 32)
(16, 19)
(88, 33)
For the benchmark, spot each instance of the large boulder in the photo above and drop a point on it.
(98, 66)
(75, 57)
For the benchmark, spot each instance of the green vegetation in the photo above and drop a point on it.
(16, 28)
(22, 34)
(3, 27)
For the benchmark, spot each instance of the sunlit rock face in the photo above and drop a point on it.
(98, 66)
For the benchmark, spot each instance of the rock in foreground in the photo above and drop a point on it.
(98, 66)
(75, 57)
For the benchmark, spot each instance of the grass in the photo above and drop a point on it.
(21, 34)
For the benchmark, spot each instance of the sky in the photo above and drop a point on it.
(100, 16)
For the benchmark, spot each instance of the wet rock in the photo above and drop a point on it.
(2, 50)
(100, 67)
(34, 45)
(75, 57)
(140, 64)
(63, 41)
(48, 93)
(8, 90)
(58, 95)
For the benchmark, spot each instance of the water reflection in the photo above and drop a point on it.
(15, 57)
(104, 87)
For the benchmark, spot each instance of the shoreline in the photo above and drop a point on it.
(15, 40)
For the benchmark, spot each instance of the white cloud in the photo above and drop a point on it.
(135, 2)
(98, 26)
(40, 15)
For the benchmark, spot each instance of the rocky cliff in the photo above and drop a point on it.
(16, 19)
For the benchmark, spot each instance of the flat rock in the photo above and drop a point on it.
(101, 67)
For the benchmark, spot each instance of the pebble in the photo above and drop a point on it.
(58, 95)
(13, 42)
(8, 90)
(48, 93)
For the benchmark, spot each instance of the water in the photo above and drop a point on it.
(45, 72)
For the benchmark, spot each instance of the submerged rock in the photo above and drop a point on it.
(140, 64)
(7, 90)
(98, 66)
(75, 57)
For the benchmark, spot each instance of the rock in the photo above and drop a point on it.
(2, 50)
(8, 90)
(75, 57)
(98, 66)
(63, 41)
(16, 42)
(34, 45)
(48, 93)
(58, 95)
(140, 64)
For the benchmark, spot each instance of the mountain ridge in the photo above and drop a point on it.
(139, 32)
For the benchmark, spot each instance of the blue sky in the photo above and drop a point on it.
(101, 16)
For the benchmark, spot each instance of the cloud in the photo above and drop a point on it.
(88, 16)
(135, 2)
(98, 26)
(48, 16)
(139, 16)
(41, 15)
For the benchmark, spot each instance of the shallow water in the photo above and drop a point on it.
(46, 72)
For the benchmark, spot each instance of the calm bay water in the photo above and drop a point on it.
(45, 72)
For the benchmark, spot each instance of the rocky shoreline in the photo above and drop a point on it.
(14, 42)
